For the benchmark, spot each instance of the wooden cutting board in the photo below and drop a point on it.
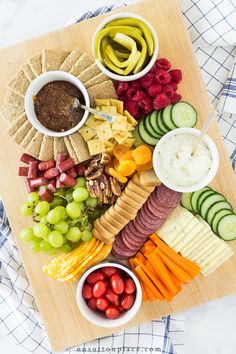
(56, 302)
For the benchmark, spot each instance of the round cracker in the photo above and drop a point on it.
(116, 216)
(108, 226)
(129, 216)
(126, 206)
(101, 229)
(97, 235)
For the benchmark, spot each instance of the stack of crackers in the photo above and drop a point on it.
(20, 129)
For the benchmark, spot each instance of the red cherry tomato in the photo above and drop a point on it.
(94, 277)
(127, 301)
(110, 295)
(112, 312)
(129, 286)
(92, 304)
(121, 309)
(117, 284)
(109, 271)
(102, 304)
(99, 288)
(87, 291)
(116, 302)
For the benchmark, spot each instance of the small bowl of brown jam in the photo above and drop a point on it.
(50, 103)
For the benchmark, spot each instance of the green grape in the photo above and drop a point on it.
(86, 235)
(27, 234)
(44, 245)
(80, 194)
(73, 210)
(42, 208)
(37, 218)
(41, 230)
(88, 226)
(61, 226)
(91, 202)
(81, 182)
(55, 239)
(33, 197)
(66, 248)
(26, 209)
(62, 210)
(35, 246)
(52, 251)
(73, 234)
(57, 201)
(53, 216)
(64, 239)
(69, 197)
(43, 220)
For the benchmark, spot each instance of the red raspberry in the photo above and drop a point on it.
(163, 64)
(174, 85)
(168, 90)
(146, 104)
(147, 80)
(136, 84)
(123, 98)
(162, 77)
(161, 101)
(154, 89)
(122, 87)
(140, 95)
(132, 108)
(176, 98)
(176, 75)
(130, 93)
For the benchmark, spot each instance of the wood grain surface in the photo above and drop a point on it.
(56, 302)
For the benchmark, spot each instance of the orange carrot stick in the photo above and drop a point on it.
(183, 276)
(141, 257)
(157, 281)
(163, 272)
(144, 292)
(184, 263)
(148, 282)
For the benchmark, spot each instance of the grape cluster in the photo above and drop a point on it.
(63, 223)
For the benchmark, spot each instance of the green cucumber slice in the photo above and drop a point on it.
(195, 196)
(138, 140)
(208, 201)
(202, 197)
(183, 115)
(226, 228)
(149, 128)
(214, 209)
(219, 215)
(161, 123)
(154, 123)
(185, 201)
(145, 136)
(167, 118)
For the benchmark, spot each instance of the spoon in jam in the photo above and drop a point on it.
(109, 117)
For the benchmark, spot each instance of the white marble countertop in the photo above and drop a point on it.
(210, 328)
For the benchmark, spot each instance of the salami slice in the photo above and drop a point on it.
(135, 233)
(148, 208)
(128, 244)
(134, 238)
(167, 196)
(140, 227)
(147, 217)
(116, 255)
(120, 253)
(155, 203)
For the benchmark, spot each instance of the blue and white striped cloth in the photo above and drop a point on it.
(211, 24)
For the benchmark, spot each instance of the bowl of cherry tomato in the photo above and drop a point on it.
(109, 295)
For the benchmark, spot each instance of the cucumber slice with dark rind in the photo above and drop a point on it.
(150, 128)
(138, 140)
(226, 227)
(147, 138)
(185, 200)
(167, 118)
(202, 197)
(162, 124)
(217, 217)
(209, 201)
(153, 122)
(183, 115)
(159, 127)
(194, 197)
(215, 208)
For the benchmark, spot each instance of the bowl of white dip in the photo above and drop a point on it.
(183, 162)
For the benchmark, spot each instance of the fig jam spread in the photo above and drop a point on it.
(53, 106)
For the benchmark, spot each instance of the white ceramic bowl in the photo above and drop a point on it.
(146, 68)
(213, 169)
(98, 318)
(36, 86)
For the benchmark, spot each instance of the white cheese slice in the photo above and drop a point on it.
(188, 237)
(197, 243)
(218, 262)
(214, 249)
